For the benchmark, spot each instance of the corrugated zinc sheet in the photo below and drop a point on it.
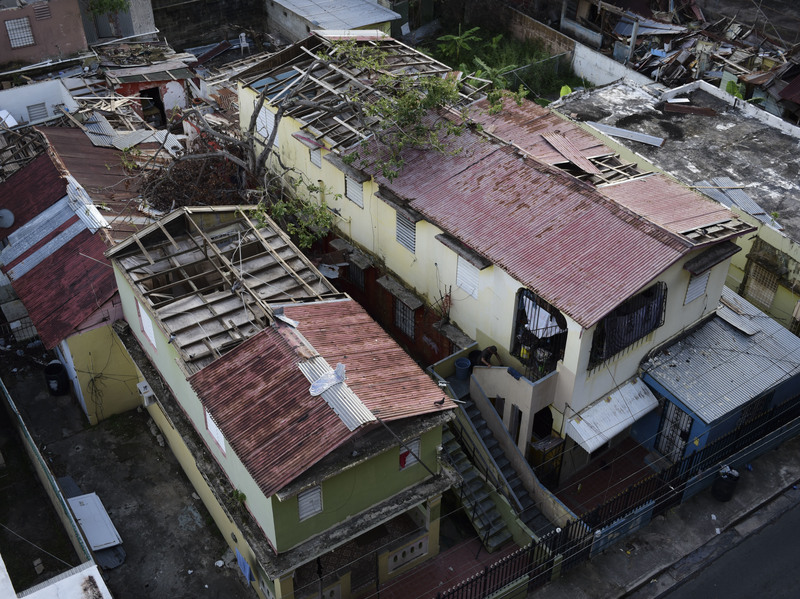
(340, 397)
(555, 234)
(99, 170)
(667, 203)
(383, 376)
(339, 14)
(30, 190)
(526, 125)
(259, 399)
(67, 287)
(720, 367)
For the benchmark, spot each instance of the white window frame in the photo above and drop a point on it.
(468, 276)
(404, 317)
(265, 123)
(146, 324)
(315, 156)
(410, 458)
(406, 232)
(309, 503)
(215, 432)
(20, 34)
(697, 287)
(354, 191)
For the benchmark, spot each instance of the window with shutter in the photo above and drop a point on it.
(265, 123)
(409, 458)
(37, 112)
(354, 191)
(315, 154)
(309, 502)
(697, 287)
(406, 233)
(467, 276)
(146, 324)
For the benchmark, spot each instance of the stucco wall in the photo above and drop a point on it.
(59, 36)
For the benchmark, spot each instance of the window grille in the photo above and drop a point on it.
(309, 502)
(468, 276)
(629, 322)
(761, 286)
(406, 233)
(404, 318)
(540, 335)
(315, 154)
(355, 274)
(19, 32)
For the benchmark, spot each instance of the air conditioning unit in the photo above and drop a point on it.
(148, 397)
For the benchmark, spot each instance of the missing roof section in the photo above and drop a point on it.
(211, 275)
(323, 91)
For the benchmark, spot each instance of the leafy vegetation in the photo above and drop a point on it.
(102, 7)
(508, 63)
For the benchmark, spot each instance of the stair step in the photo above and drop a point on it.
(496, 540)
(478, 497)
(504, 465)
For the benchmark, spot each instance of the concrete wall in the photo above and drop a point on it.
(187, 23)
(47, 479)
(59, 36)
(294, 27)
(106, 374)
(52, 92)
(594, 67)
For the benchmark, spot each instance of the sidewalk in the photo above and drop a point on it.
(678, 543)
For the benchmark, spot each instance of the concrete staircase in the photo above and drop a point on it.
(475, 496)
(528, 513)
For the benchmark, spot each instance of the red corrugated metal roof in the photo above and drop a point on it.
(526, 124)
(260, 399)
(100, 172)
(67, 287)
(668, 203)
(558, 236)
(31, 190)
(379, 371)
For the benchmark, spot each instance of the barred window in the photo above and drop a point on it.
(19, 32)
(404, 318)
(355, 274)
(761, 286)
(629, 322)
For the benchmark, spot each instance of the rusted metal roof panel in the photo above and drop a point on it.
(383, 376)
(64, 289)
(99, 170)
(555, 234)
(526, 125)
(667, 203)
(31, 190)
(260, 400)
(792, 91)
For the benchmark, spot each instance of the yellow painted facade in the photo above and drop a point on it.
(106, 373)
(489, 317)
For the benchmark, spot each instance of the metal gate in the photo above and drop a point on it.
(673, 432)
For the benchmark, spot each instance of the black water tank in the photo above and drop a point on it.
(57, 380)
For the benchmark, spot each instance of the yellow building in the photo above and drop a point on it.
(311, 437)
(527, 232)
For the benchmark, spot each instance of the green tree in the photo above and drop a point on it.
(453, 44)
(101, 7)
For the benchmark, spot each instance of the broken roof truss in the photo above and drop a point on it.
(323, 87)
(210, 276)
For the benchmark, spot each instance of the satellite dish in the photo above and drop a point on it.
(6, 218)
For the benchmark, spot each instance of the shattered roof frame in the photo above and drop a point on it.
(328, 85)
(210, 274)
